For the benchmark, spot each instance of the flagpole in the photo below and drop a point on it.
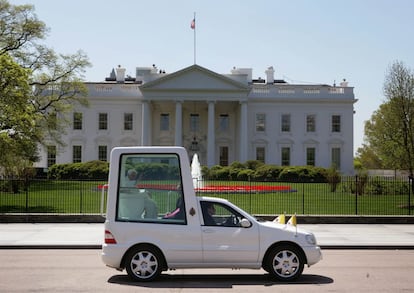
(195, 27)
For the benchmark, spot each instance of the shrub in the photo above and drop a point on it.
(333, 178)
(253, 164)
(267, 173)
(245, 175)
(87, 170)
(303, 174)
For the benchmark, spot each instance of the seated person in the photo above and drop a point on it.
(208, 210)
(179, 212)
(137, 205)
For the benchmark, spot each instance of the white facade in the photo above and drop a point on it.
(224, 118)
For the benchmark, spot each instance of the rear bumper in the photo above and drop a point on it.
(112, 255)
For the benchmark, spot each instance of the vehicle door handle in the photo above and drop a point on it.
(208, 230)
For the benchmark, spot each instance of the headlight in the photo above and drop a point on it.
(310, 238)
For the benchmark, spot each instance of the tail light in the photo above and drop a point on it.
(109, 238)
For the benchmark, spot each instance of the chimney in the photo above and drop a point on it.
(344, 83)
(120, 74)
(270, 75)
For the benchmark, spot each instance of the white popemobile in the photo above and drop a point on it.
(159, 223)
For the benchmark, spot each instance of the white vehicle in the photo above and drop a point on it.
(155, 222)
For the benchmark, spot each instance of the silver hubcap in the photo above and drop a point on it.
(286, 263)
(144, 264)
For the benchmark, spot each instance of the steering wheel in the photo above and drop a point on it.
(231, 221)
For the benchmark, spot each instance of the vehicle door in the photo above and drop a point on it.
(224, 240)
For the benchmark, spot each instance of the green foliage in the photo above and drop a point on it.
(253, 164)
(36, 85)
(263, 172)
(334, 178)
(390, 131)
(267, 173)
(157, 171)
(245, 175)
(87, 170)
(303, 173)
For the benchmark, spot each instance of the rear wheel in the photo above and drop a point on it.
(285, 263)
(143, 263)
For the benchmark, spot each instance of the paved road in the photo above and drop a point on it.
(91, 235)
(82, 271)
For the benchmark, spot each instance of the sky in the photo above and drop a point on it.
(319, 41)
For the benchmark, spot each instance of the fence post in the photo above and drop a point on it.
(356, 194)
(410, 189)
(303, 197)
(81, 198)
(27, 193)
(250, 195)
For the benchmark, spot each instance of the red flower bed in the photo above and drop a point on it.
(244, 188)
(217, 188)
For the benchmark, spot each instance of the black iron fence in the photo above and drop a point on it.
(347, 196)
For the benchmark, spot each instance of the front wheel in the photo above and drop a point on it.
(143, 264)
(285, 263)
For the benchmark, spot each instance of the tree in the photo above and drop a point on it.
(38, 86)
(390, 132)
(17, 132)
(366, 158)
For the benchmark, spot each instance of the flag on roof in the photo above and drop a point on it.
(193, 24)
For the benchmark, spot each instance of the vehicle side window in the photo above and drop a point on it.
(149, 189)
(217, 214)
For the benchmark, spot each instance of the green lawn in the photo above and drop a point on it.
(306, 198)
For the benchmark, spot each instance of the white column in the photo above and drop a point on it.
(178, 141)
(210, 135)
(243, 132)
(146, 124)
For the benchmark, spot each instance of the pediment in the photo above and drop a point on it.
(194, 78)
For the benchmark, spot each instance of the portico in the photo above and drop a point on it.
(197, 101)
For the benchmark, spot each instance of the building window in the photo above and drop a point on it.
(165, 122)
(310, 156)
(310, 123)
(336, 158)
(285, 125)
(103, 153)
(260, 154)
(224, 122)
(224, 156)
(51, 155)
(260, 122)
(285, 156)
(336, 123)
(77, 154)
(194, 122)
(77, 121)
(128, 121)
(103, 121)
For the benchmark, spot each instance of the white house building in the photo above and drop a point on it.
(221, 117)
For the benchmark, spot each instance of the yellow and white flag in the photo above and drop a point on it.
(292, 221)
(281, 219)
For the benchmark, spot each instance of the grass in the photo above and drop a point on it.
(308, 198)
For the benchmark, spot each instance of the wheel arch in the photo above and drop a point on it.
(284, 243)
(146, 245)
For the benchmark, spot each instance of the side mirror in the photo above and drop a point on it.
(244, 223)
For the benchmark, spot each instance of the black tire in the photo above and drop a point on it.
(285, 263)
(143, 263)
